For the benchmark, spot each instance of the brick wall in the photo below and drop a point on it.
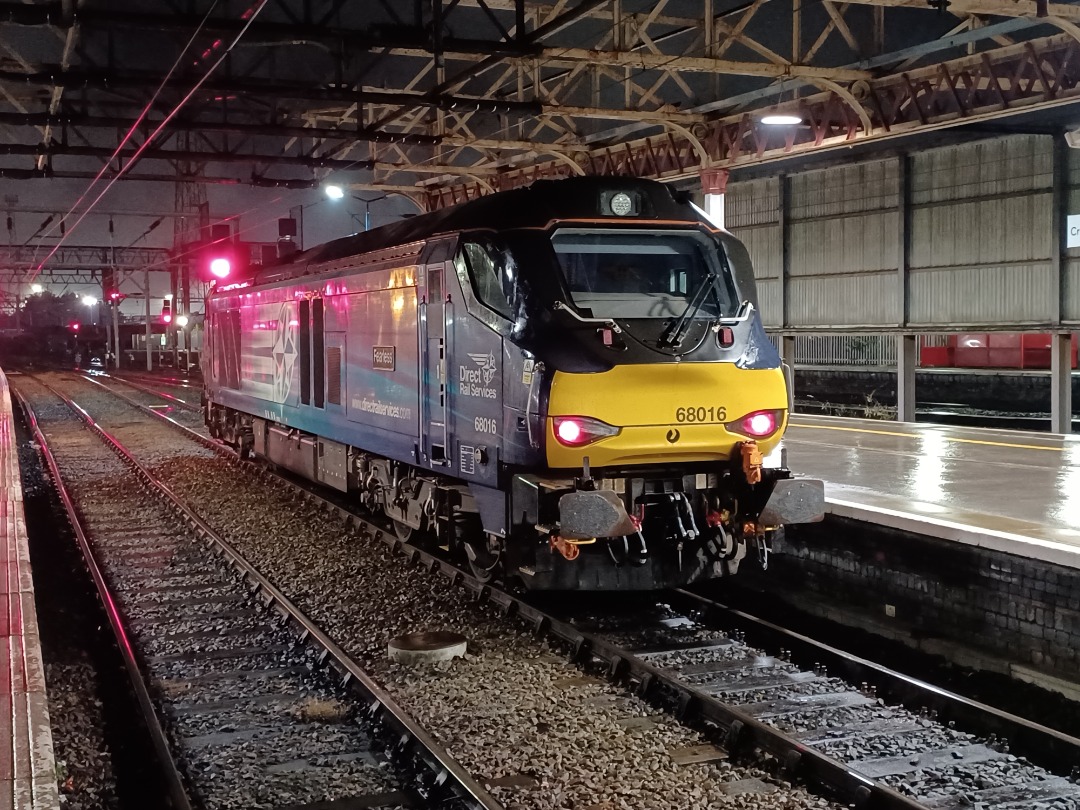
(1021, 610)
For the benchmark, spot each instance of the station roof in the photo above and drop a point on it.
(450, 99)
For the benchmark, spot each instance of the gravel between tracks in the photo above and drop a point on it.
(509, 708)
(84, 764)
(292, 742)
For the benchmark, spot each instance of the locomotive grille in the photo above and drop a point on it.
(333, 375)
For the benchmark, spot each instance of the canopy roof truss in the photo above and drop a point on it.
(444, 100)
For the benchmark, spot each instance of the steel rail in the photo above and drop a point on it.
(1052, 749)
(187, 406)
(1055, 750)
(736, 731)
(174, 782)
(445, 774)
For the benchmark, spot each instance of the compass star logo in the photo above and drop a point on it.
(486, 363)
(284, 352)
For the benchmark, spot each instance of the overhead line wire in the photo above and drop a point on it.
(133, 159)
(123, 142)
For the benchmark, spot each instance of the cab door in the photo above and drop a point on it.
(433, 311)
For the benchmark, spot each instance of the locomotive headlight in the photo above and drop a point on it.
(575, 431)
(756, 425)
(621, 204)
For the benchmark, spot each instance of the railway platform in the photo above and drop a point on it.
(1011, 491)
(27, 763)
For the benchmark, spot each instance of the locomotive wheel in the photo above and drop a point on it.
(485, 557)
(481, 551)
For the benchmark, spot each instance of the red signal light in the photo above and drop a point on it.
(220, 267)
(166, 312)
(74, 326)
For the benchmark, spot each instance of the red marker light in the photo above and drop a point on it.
(575, 431)
(75, 326)
(221, 267)
(756, 425)
(570, 432)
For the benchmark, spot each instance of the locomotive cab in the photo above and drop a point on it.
(654, 405)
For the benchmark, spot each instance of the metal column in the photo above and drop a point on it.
(903, 240)
(787, 356)
(116, 334)
(1061, 382)
(907, 353)
(714, 186)
(783, 223)
(149, 357)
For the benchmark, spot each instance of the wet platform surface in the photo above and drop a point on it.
(27, 764)
(1012, 491)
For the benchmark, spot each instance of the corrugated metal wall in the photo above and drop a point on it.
(843, 234)
(751, 210)
(1071, 296)
(981, 247)
(982, 229)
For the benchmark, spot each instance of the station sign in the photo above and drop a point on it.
(1072, 230)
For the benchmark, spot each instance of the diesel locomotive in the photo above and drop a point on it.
(568, 384)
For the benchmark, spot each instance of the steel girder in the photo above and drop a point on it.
(1027, 76)
(21, 260)
(447, 99)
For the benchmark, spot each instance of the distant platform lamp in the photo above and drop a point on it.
(336, 192)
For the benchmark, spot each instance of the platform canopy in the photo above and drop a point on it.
(442, 100)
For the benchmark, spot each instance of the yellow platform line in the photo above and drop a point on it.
(916, 436)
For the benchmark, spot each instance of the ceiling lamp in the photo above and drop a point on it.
(778, 119)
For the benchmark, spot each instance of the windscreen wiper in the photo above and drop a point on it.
(674, 334)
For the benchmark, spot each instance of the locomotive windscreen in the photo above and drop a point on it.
(644, 274)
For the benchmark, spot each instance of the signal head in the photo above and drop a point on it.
(220, 267)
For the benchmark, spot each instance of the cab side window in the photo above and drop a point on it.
(491, 272)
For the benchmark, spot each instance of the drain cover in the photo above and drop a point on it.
(424, 648)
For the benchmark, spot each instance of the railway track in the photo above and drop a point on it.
(246, 714)
(809, 726)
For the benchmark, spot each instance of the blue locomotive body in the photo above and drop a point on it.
(422, 367)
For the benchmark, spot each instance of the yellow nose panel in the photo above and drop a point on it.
(668, 412)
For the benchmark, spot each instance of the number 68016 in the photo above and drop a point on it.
(700, 413)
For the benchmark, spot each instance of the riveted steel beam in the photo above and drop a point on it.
(997, 8)
(72, 258)
(1019, 78)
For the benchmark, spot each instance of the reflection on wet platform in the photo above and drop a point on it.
(1014, 491)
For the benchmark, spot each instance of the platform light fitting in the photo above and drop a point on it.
(89, 300)
(181, 321)
(36, 289)
(334, 192)
(780, 120)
